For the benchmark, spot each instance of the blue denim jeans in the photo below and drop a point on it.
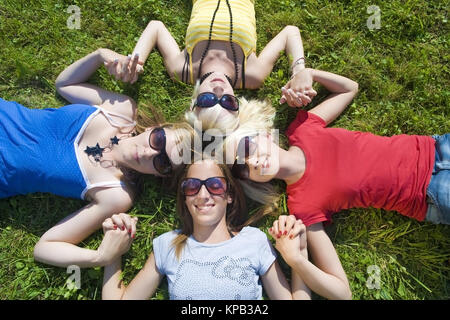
(439, 188)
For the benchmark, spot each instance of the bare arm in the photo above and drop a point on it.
(326, 276)
(275, 283)
(290, 235)
(157, 35)
(58, 246)
(72, 84)
(259, 68)
(143, 286)
(342, 89)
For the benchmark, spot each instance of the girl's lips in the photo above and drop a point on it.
(204, 207)
(217, 79)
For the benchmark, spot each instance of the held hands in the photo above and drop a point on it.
(298, 91)
(119, 230)
(126, 69)
(290, 235)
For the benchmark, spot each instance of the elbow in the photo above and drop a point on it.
(355, 87)
(292, 30)
(38, 251)
(346, 294)
(155, 24)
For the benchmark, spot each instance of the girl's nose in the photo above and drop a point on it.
(203, 193)
(218, 90)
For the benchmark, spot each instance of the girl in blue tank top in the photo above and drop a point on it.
(89, 150)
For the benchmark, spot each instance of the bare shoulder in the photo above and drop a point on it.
(118, 199)
(121, 104)
(254, 78)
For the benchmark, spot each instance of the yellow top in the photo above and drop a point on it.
(244, 25)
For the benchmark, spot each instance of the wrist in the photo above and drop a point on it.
(295, 260)
(298, 65)
(297, 68)
(100, 259)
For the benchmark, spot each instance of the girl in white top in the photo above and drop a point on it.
(211, 256)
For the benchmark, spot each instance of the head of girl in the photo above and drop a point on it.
(158, 147)
(214, 106)
(253, 154)
(253, 158)
(208, 195)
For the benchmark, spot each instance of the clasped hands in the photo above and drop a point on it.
(119, 230)
(290, 236)
(125, 68)
(298, 91)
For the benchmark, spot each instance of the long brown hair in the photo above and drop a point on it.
(235, 216)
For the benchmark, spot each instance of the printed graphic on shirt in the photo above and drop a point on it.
(226, 278)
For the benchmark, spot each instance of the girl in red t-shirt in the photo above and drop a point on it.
(330, 169)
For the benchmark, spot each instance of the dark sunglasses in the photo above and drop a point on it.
(215, 185)
(209, 99)
(246, 148)
(157, 141)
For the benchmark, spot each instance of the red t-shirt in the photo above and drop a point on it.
(351, 169)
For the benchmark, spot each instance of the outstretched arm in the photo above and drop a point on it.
(72, 84)
(142, 287)
(258, 68)
(144, 284)
(342, 91)
(290, 235)
(326, 276)
(58, 246)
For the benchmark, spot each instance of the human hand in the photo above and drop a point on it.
(126, 69)
(119, 230)
(290, 235)
(298, 91)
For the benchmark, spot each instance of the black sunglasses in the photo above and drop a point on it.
(209, 99)
(215, 185)
(157, 141)
(246, 148)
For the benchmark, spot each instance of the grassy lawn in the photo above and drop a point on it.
(403, 73)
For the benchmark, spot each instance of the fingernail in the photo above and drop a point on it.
(279, 234)
(270, 230)
(133, 236)
(129, 231)
(115, 227)
(123, 228)
(285, 233)
(291, 236)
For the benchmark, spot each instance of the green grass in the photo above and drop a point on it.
(402, 70)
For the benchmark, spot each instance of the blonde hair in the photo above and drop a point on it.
(254, 113)
(263, 193)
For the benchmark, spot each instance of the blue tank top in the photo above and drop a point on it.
(38, 149)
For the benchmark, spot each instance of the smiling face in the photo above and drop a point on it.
(263, 158)
(206, 209)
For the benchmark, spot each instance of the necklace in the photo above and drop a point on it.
(97, 151)
(209, 42)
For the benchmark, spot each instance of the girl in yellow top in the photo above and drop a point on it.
(220, 55)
